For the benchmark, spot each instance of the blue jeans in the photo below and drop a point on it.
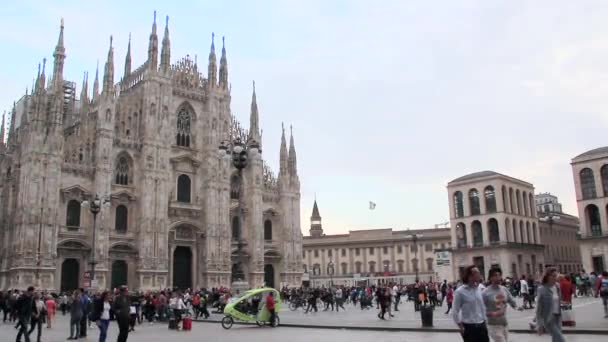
(75, 327)
(554, 328)
(103, 329)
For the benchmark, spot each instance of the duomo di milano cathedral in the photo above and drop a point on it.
(185, 198)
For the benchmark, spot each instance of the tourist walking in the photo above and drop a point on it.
(122, 309)
(24, 307)
(495, 298)
(469, 311)
(525, 291)
(75, 315)
(548, 307)
(101, 312)
(38, 313)
(602, 291)
(449, 297)
(51, 309)
(397, 295)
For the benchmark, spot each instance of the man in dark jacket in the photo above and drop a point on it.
(24, 307)
(122, 307)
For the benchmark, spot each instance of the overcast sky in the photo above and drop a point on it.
(389, 100)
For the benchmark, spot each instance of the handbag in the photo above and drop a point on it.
(568, 318)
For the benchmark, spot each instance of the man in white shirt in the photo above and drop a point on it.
(525, 291)
(397, 297)
(469, 310)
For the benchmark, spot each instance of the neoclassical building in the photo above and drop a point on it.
(590, 172)
(371, 256)
(494, 222)
(176, 211)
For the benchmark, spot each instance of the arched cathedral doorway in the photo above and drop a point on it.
(70, 273)
(269, 275)
(120, 271)
(182, 267)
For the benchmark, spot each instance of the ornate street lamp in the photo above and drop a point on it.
(95, 206)
(236, 152)
(415, 238)
(330, 271)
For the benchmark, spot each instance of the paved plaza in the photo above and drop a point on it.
(588, 310)
(214, 332)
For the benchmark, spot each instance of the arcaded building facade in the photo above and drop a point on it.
(590, 172)
(493, 221)
(175, 209)
(371, 256)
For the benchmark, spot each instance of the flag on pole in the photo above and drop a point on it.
(372, 205)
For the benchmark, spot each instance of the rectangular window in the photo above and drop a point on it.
(343, 252)
(303, 254)
(357, 251)
(385, 250)
(316, 253)
(428, 247)
(399, 249)
(371, 251)
(329, 253)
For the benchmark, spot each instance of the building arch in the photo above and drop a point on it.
(493, 231)
(503, 192)
(121, 221)
(123, 169)
(72, 217)
(587, 180)
(524, 196)
(535, 233)
(268, 229)
(458, 204)
(518, 201)
(592, 215)
(532, 205)
(508, 231)
(184, 188)
(604, 176)
(490, 199)
(511, 203)
(461, 235)
(521, 232)
(185, 116)
(477, 232)
(529, 233)
(474, 202)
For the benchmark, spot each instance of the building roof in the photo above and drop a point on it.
(592, 153)
(315, 211)
(475, 175)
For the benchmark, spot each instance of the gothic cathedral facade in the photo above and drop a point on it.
(174, 210)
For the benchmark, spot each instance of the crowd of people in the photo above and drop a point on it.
(478, 307)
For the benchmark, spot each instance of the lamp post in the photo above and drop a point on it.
(236, 152)
(415, 238)
(330, 272)
(94, 206)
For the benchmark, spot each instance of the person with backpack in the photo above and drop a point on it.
(602, 291)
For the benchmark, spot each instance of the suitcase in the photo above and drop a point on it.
(172, 324)
(187, 323)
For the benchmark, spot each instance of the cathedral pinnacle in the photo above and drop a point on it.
(96, 84)
(59, 56)
(128, 59)
(153, 47)
(292, 160)
(84, 93)
(108, 76)
(2, 128)
(283, 169)
(212, 69)
(41, 81)
(223, 67)
(254, 124)
(165, 55)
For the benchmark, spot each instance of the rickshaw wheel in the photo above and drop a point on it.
(227, 322)
(293, 306)
(277, 321)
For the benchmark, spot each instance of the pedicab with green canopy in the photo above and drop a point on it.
(251, 307)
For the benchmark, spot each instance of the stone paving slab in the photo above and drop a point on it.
(588, 311)
(214, 332)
